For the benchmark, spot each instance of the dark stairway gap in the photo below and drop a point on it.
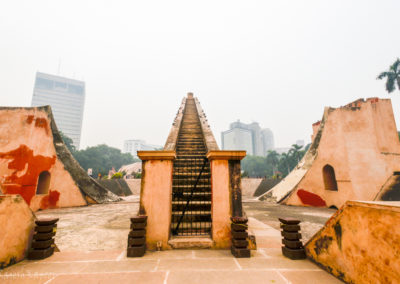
(190, 158)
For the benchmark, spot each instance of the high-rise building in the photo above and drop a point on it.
(66, 98)
(132, 146)
(250, 137)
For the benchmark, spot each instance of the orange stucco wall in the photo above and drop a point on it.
(220, 204)
(26, 150)
(360, 142)
(16, 223)
(360, 243)
(156, 201)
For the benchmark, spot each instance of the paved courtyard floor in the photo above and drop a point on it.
(92, 242)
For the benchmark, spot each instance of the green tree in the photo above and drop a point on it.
(295, 152)
(273, 160)
(68, 142)
(284, 161)
(102, 158)
(392, 76)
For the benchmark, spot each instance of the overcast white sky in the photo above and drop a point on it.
(275, 62)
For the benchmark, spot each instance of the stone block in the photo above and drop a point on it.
(239, 227)
(139, 219)
(239, 235)
(294, 253)
(240, 252)
(136, 251)
(239, 220)
(292, 244)
(137, 233)
(46, 222)
(43, 236)
(291, 236)
(240, 243)
(42, 244)
(40, 253)
(138, 226)
(45, 229)
(290, 228)
(289, 221)
(136, 241)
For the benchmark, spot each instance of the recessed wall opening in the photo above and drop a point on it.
(43, 183)
(329, 178)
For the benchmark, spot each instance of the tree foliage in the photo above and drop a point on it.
(392, 76)
(273, 164)
(68, 142)
(102, 158)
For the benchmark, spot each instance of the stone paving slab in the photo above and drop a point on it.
(267, 265)
(175, 266)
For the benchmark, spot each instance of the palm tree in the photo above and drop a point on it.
(285, 157)
(273, 159)
(295, 151)
(392, 76)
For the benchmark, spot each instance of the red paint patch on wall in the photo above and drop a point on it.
(25, 184)
(309, 198)
(39, 122)
(50, 200)
(29, 119)
(42, 123)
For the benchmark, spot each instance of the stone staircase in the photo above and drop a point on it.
(191, 191)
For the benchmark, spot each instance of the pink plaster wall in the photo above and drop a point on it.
(27, 149)
(16, 223)
(156, 200)
(362, 146)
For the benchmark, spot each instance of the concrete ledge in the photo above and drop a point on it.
(156, 155)
(226, 155)
(190, 243)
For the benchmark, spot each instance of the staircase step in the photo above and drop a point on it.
(191, 218)
(194, 207)
(197, 196)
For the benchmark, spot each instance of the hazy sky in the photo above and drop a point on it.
(275, 62)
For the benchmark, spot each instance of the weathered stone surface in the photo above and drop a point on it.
(239, 235)
(40, 253)
(360, 243)
(46, 229)
(290, 228)
(349, 142)
(136, 251)
(136, 241)
(294, 253)
(46, 221)
(36, 244)
(289, 221)
(240, 252)
(117, 186)
(43, 236)
(137, 233)
(240, 243)
(139, 219)
(138, 226)
(16, 229)
(291, 236)
(239, 227)
(292, 244)
(190, 243)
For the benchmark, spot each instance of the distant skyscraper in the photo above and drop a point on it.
(132, 146)
(66, 98)
(250, 137)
